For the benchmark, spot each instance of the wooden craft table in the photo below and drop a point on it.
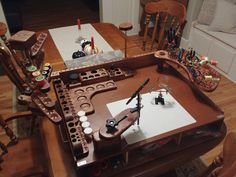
(186, 144)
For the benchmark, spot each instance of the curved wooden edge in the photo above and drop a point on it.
(123, 125)
(162, 54)
(17, 115)
(201, 84)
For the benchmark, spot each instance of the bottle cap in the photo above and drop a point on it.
(83, 119)
(88, 131)
(85, 124)
(40, 78)
(81, 113)
(36, 73)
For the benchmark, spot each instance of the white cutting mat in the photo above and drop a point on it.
(65, 39)
(154, 119)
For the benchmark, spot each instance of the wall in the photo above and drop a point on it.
(193, 10)
(2, 18)
(119, 11)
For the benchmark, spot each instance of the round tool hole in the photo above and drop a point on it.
(85, 106)
(81, 98)
(79, 91)
(100, 86)
(89, 89)
(71, 124)
(110, 84)
(72, 130)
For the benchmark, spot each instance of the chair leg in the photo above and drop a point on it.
(154, 31)
(9, 132)
(4, 151)
(146, 31)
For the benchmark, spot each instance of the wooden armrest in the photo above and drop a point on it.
(17, 115)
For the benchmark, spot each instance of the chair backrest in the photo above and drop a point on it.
(224, 164)
(167, 13)
(228, 169)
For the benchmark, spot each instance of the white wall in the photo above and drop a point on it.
(3, 19)
(119, 11)
(193, 10)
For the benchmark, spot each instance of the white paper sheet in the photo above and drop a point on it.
(65, 39)
(154, 119)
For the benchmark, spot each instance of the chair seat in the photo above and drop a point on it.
(25, 158)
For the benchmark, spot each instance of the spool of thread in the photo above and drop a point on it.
(208, 77)
(45, 68)
(47, 65)
(213, 62)
(203, 62)
(83, 119)
(204, 58)
(41, 81)
(45, 73)
(31, 69)
(35, 74)
(85, 124)
(216, 79)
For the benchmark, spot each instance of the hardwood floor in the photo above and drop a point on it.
(38, 14)
(6, 91)
(42, 14)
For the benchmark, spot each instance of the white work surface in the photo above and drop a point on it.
(65, 39)
(154, 119)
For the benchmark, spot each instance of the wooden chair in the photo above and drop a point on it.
(142, 19)
(224, 164)
(26, 157)
(167, 13)
(20, 157)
